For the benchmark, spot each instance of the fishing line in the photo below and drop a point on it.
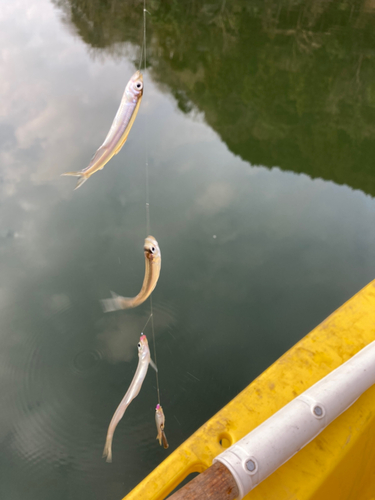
(144, 53)
(155, 359)
(144, 38)
(141, 56)
(144, 328)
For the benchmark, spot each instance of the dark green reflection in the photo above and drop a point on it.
(284, 83)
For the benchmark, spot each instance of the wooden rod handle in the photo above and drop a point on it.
(215, 483)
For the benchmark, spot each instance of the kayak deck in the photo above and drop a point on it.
(338, 464)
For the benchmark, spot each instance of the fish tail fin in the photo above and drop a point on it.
(80, 181)
(73, 174)
(164, 439)
(115, 303)
(82, 178)
(158, 437)
(107, 452)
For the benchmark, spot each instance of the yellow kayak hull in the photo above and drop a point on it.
(338, 464)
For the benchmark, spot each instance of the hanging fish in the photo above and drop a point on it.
(160, 422)
(119, 130)
(144, 360)
(152, 272)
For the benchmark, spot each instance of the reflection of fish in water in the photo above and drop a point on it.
(144, 360)
(152, 272)
(119, 130)
(160, 423)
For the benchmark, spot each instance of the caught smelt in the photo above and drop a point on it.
(152, 272)
(160, 422)
(144, 360)
(119, 130)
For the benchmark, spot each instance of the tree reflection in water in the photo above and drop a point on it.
(287, 84)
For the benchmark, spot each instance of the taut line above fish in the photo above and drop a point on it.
(144, 360)
(152, 272)
(119, 130)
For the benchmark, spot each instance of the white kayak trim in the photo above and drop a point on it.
(277, 439)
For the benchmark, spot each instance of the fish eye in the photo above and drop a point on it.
(138, 85)
(152, 249)
(139, 345)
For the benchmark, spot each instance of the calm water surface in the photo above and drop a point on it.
(258, 120)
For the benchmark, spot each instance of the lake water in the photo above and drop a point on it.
(258, 122)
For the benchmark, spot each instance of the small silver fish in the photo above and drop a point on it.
(160, 423)
(144, 360)
(152, 272)
(119, 131)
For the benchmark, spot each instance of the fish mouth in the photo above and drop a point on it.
(138, 76)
